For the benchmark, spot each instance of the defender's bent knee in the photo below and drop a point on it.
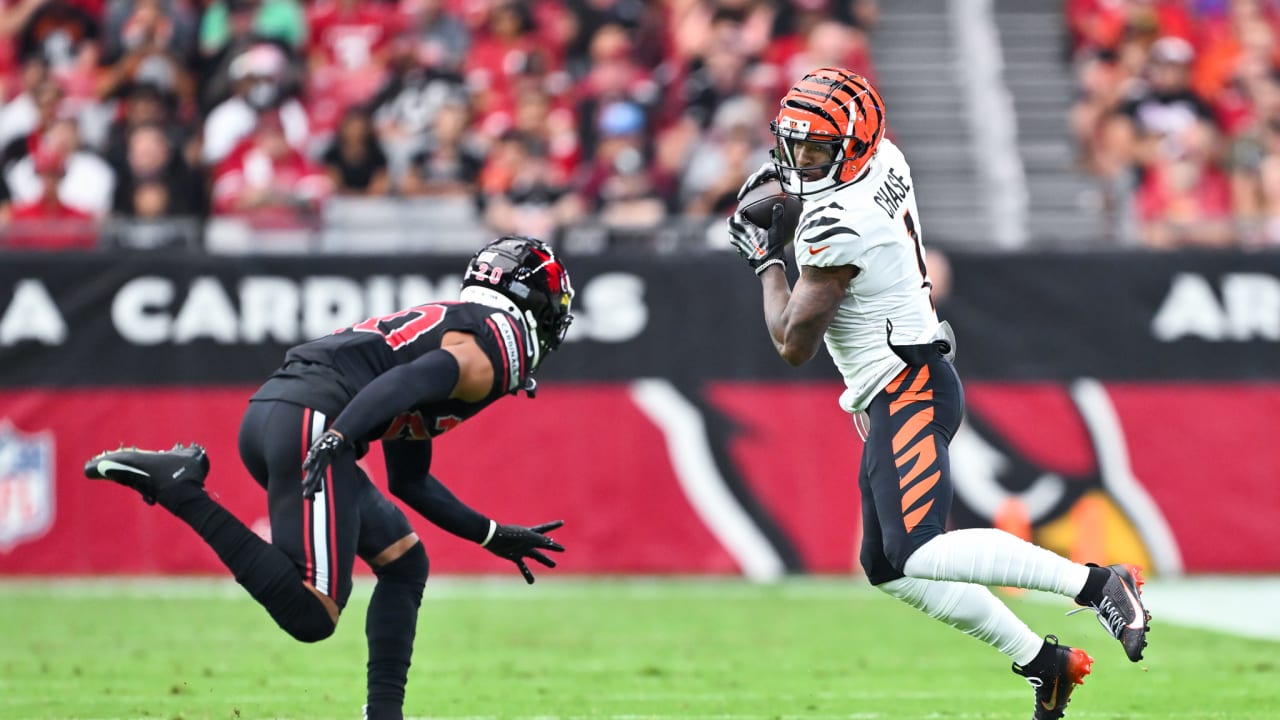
(412, 566)
(306, 617)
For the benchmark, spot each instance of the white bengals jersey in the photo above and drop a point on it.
(872, 224)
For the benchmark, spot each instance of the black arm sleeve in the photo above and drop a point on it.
(408, 479)
(430, 378)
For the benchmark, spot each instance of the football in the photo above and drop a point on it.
(757, 207)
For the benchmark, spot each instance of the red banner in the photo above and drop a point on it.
(748, 477)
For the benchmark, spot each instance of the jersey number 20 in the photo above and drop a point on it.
(401, 328)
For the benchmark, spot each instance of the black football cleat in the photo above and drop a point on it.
(150, 471)
(1055, 683)
(1120, 609)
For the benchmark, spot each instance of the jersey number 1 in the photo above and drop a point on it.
(910, 222)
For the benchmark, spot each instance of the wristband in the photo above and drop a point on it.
(493, 528)
(769, 262)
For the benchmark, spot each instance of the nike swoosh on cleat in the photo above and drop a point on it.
(1052, 702)
(1138, 611)
(106, 465)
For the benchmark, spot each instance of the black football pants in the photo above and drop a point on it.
(349, 516)
(905, 480)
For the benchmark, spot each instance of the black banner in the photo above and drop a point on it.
(76, 320)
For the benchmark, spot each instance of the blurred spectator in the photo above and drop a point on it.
(19, 116)
(346, 56)
(450, 164)
(1185, 198)
(128, 21)
(151, 159)
(824, 43)
(266, 178)
(355, 161)
(58, 30)
(614, 76)
(150, 50)
(523, 194)
(627, 197)
(1256, 185)
(1101, 25)
(732, 150)
(697, 25)
(87, 181)
(45, 222)
(280, 20)
(47, 97)
(437, 38)
(146, 104)
(405, 107)
(259, 87)
(1153, 120)
(718, 72)
(639, 22)
(508, 47)
(155, 222)
(619, 172)
(539, 116)
(242, 34)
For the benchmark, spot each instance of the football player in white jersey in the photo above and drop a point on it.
(864, 290)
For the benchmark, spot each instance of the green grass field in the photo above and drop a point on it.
(588, 649)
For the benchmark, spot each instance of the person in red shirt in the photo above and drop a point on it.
(265, 178)
(347, 55)
(46, 223)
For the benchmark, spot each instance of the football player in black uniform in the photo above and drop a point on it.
(401, 379)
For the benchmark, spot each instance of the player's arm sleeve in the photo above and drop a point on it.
(429, 378)
(409, 479)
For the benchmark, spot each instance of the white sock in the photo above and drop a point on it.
(971, 609)
(994, 557)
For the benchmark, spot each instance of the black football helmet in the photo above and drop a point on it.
(526, 271)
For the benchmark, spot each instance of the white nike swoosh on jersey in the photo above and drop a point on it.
(105, 465)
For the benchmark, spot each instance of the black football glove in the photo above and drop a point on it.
(322, 452)
(515, 543)
(759, 247)
(768, 171)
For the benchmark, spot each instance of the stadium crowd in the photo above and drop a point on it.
(152, 117)
(1178, 117)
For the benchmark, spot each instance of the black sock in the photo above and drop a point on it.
(390, 626)
(1093, 586)
(1042, 663)
(260, 567)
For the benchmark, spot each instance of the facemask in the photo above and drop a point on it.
(262, 94)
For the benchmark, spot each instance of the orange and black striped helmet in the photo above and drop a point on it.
(833, 107)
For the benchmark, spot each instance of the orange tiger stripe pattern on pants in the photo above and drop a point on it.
(905, 478)
(914, 449)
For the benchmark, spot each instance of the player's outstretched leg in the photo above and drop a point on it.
(1118, 603)
(174, 479)
(993, 557)
(150, 472)
(1054, 673)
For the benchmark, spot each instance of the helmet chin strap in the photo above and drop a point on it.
(494, 299)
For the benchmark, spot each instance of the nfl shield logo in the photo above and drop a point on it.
(26, 485)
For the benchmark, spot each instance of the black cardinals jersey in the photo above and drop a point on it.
(326, 373)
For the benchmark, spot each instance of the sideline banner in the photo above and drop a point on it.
(1118, 406)
(86, 320)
